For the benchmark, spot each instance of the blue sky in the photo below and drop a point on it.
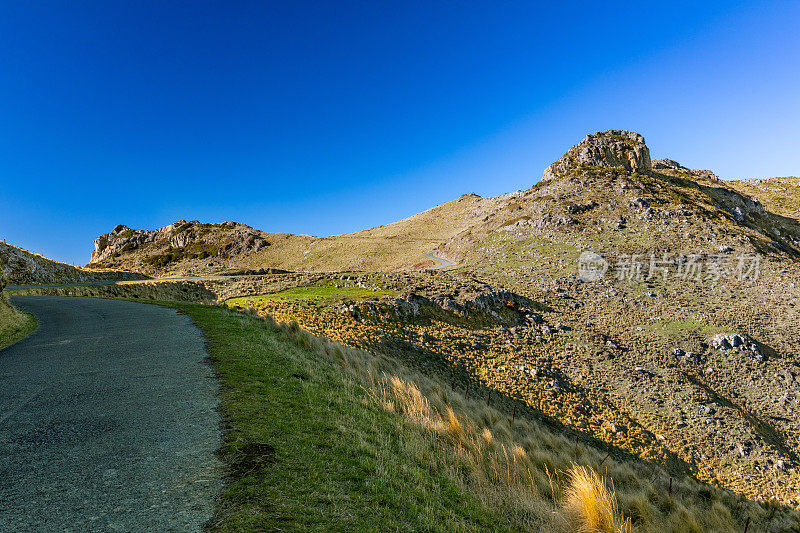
(323, 118)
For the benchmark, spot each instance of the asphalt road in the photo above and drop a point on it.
(443, 263)
(108, 420)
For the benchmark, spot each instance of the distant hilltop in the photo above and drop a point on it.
(606, 182)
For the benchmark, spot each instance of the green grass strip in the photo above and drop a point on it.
(307, 451)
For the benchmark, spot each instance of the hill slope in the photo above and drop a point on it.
(605, 189)
(676, 339)
(197, 248)
(685, 326)
(21, 267)
(779, 195)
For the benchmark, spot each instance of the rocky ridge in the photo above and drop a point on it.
(605, 183)
(179, 240)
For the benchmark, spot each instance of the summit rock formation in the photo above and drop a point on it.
(612, 148)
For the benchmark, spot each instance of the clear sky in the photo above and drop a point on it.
(323, 118)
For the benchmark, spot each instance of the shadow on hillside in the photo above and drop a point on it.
(754, 216)
(460, 380)
(770, 435)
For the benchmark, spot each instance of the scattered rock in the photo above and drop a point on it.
(733, 341)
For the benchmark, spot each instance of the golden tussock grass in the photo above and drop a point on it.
(593, 503)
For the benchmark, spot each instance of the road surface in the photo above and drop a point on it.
(108, 420)
(442, 262)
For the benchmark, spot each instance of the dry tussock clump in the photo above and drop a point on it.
(592, 503)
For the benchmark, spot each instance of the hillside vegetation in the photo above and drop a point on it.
(323, 436)
(14, 324)
(779, 195)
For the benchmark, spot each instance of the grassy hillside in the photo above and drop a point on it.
(325, 437)
(196, 248)
(779, 195)
(318, 294)
(21, 267)
(14, 324)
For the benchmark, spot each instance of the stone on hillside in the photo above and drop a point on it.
(612, 148)
(667, 163)
(726, 342)
(706, 174)
(721, 341)
(670, 164)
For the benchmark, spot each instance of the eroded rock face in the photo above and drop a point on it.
(121, 239)
(228, 238)
(612, 148)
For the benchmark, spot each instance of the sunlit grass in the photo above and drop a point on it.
(592, 503)
(316, 293)
(14, 324)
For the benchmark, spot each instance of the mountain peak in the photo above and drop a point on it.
(610, 148)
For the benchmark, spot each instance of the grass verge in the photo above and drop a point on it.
(14, 324)
(308, 451)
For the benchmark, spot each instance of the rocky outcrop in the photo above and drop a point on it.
(669, 164)
(660, 164)
(494, 304)
(726, 342)
(120, 239)
(244, 240)
(225, 239)
(612, 148)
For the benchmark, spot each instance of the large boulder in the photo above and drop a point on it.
(612, 148)
(659, 164)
